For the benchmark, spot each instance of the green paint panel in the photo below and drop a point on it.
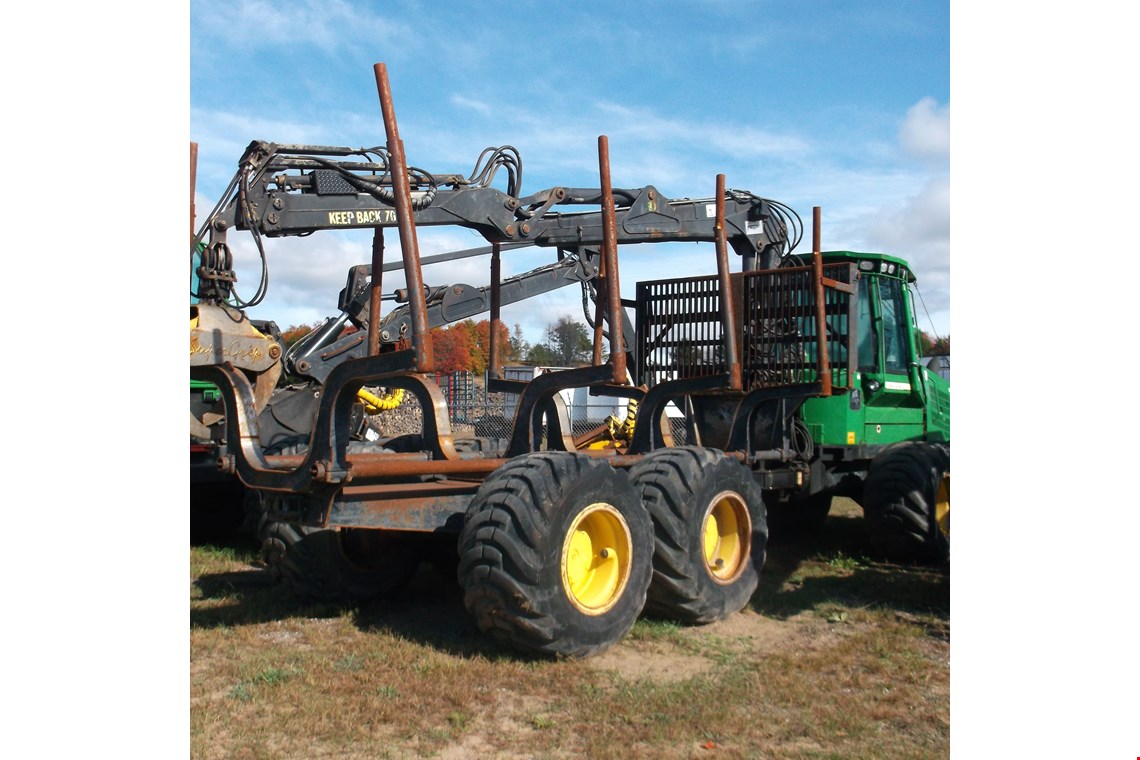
(829, 419)
(892, 415)
(888, 433)
(885, 415)
(938, 397)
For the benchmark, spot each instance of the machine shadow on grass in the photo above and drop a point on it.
(827, 567)
(429, 610)
(836, 565)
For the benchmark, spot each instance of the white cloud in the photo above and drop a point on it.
(923, 222)
(742, 141)
(325, 24)
(558, 142)
(925, 132)
(482, 107)
(917, 230)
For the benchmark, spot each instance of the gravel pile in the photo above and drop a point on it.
(482, 416)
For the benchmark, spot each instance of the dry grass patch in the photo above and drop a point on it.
(839, 655)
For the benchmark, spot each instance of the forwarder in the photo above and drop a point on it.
(798, 380)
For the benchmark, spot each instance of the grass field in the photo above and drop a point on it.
(838, 656)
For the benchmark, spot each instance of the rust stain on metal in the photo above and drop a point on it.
(610, 264)
(727, 314)
(820, 305)
(417, 302)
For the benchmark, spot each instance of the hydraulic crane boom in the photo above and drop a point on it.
(315, 355)
(299, 189)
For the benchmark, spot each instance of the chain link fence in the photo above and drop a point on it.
(475, 413)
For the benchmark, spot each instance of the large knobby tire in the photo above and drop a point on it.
(555, 554)
(906, 502)
(711, 532)
(338, 565)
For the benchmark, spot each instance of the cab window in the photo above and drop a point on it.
(894, 326)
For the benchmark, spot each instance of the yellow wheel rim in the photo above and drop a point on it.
(727, 536)
(596, 558)
(942, 506)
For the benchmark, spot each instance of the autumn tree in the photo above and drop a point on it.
(482, 352)
(452, 349)
(466, 345)
(295, 332)
(932, 346)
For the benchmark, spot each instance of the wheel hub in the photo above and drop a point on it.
(596, 559)
(726, 536)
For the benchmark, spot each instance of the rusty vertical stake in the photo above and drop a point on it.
(599, 312)
(824, 363)
(421, 334)
(727, 311)
(496, 321)
(375, 292)
(609, 263)
(193, 175)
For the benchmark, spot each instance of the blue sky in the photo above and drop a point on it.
(836, 104)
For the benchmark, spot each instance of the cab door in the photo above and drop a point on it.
(893, 409)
